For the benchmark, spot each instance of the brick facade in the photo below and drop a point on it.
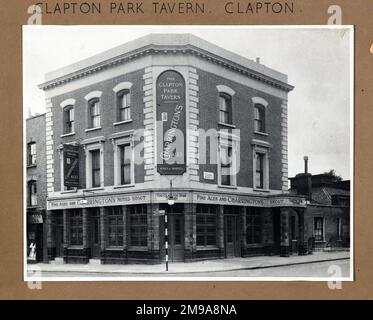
(117, 223)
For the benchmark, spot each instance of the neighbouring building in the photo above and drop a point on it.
(327, 215)
(36, 188)
(168, 107)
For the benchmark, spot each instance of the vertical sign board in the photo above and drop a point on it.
(171, 123)
(71, 165)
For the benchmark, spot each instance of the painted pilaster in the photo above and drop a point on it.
(284, 145)
(149, 124)
(193, 119)
(49, 146)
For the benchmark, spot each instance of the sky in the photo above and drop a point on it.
(316, 60)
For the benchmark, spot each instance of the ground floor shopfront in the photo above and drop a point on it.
(236, 226)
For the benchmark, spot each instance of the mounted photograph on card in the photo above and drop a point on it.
(188, 153)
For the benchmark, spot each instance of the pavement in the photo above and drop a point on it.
(219, 265)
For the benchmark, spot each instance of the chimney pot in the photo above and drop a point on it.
(305, 164)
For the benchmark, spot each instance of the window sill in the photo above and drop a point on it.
(320, 241)
(76, 247)
(69, 191)
(122, 122)
(124, 186)
(93, 189)
(260, 190)
(67, 134)
(114, 248)
(261, 133)
(228, 187)
(227, 124)
(92, 129)
(31, 166)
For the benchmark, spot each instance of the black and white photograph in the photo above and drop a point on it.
(188, 153)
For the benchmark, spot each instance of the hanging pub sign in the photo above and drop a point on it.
(171, 124)
(71, 165)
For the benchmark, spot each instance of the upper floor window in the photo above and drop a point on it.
(124, 169)
(124, 105)
(123, 94)
(32, 191)
(259, 119)
(96, 168)
(259, 170)
(261, 151)
(68, 119)
(228, 162)
(225, 104)
(94, 113)
(31, 153)
(260, 106)
(225, 108)
(125, 163)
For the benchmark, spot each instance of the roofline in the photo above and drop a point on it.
(145, 46)
(35, 116)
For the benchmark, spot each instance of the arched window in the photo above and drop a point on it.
(94, 113)
(123, 93)
(68, 115)
(260, 106)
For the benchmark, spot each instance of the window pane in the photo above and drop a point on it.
(259, 115)
(95, 154)
(225, 109)
(259, 182)
(138, 226)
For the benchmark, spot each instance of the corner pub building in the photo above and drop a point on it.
(106, 205)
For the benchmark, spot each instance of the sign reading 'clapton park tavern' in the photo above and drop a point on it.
(171, 124)
(71, 165)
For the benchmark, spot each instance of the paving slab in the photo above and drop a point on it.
(217, 265)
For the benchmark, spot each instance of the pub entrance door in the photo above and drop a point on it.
(231, 236)
(175, 226)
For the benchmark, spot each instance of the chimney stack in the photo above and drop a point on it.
(257, 60)
(305, 164)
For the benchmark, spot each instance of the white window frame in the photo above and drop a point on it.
(93, 95)
(264, 103)
(227, 139)
(122, 86)
(64, 104)
(226, 91)
(88, 163)
(264, 151)
(117, 143)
